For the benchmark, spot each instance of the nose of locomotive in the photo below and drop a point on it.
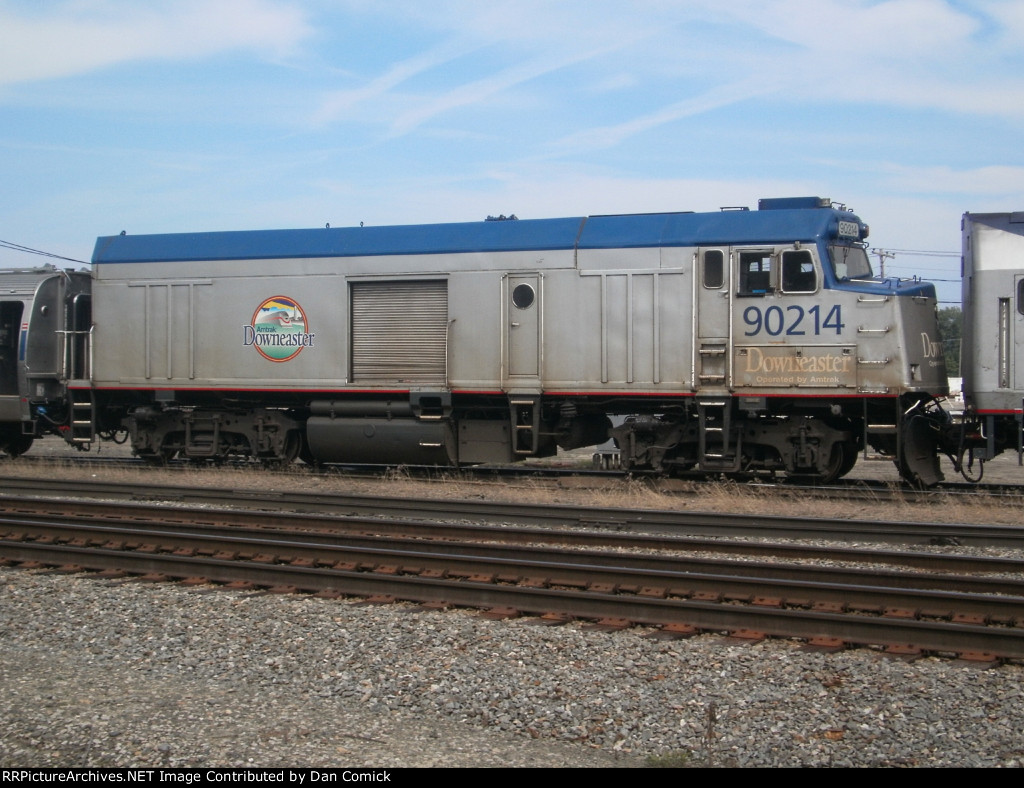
(922, 346)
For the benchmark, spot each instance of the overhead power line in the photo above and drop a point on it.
(920, 252)
(29, 250)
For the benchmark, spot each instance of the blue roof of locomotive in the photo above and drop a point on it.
(595, 232)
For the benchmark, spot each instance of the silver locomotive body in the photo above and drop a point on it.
(993, 331)
(735, 342)
(44, 326)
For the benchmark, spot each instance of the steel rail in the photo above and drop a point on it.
(624, 520)
(26, 508)
(731, 580)
(286, 535)
(928, 635)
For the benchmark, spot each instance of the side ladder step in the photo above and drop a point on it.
(83, 416)
(525, 415)
(714, 432)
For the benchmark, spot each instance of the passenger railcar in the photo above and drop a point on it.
(730, 342)
(44, 328)
(992, 363)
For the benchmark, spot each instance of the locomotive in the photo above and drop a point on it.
(735, 342)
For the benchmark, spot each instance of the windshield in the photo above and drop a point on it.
(850, 262)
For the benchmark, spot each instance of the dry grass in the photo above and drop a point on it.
(621, 492)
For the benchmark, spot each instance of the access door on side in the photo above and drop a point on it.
(522, 313)
(713, 317)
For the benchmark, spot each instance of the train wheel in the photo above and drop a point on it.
(840, 463)
(849, 451)
(19, 445)
(290, 452)
(292, 447)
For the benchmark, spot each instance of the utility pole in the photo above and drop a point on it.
(882, 257)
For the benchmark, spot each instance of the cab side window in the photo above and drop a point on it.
(755, 273)
(798, 274)
(714, 269)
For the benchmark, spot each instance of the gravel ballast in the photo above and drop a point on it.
(126, 673)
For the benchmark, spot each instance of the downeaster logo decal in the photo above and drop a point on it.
(278, 329)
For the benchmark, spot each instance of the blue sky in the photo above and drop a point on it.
(189, 115)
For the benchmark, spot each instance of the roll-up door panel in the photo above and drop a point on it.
(399, 331)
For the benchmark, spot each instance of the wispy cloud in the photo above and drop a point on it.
(531, 40)
(177, 114)
(707, 55)
(863, 29)
(603, 137)
(899, 53)
(338, 103)
(482, 89)
(45, 41)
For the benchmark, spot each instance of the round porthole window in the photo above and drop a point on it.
(523, 296)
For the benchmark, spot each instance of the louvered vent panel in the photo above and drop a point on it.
(399, 331)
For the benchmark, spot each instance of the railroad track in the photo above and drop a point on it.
(365, 518)
(602, 518)
(962, 610)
